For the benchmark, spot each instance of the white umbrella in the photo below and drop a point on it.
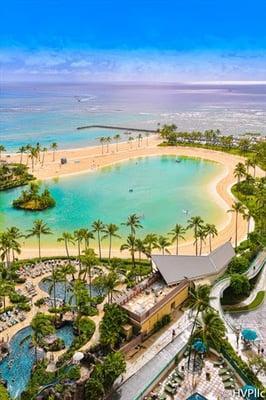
(78, 356)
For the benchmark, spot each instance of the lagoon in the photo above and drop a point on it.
(158, 188)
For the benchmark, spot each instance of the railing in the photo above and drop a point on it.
(141, 317)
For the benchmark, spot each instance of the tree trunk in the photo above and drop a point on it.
(99, 244)
(210, 242)
(236, 229)
(39, 244)
(110, 246)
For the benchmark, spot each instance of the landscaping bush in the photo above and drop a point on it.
(166, 319)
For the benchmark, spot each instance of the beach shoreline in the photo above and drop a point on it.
(90, 159)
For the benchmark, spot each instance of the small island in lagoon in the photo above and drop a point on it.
(33, 199)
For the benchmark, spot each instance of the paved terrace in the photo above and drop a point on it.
(133, 387)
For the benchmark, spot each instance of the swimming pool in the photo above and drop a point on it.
(16, 368)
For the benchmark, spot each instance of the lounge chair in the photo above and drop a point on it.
(169, 389)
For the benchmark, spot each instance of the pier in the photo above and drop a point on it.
(118, 128)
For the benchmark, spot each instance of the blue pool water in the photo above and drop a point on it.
(23, 357)
(59, 290)
(196, 396)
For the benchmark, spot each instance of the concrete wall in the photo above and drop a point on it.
(167, 308)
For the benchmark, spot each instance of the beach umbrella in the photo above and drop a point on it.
(78, 356)
(199, 346)
(249, 334)
(249, 392)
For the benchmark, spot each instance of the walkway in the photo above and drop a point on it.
(218, 289)
(136, 385)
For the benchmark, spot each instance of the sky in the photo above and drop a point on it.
(133, 40)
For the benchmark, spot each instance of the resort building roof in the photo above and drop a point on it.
(174, 269)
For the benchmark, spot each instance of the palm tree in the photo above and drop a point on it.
(117, 138)
(5, 248)
(67, 270)
(248, 164)
(102, 141)
(44, 150)
(147, 138)
(110, 231)
(140, 247)
(33, 154)
(130, 140)
(130, 245)
(21, 150)
(89, 260)
(5, 289)
(201, 236)
(163, 243)
(39, 228)
(68, 239)
(139, 139)
(150, 242)
(195, 223)
(111, 281)
(211, 231)
(198, 301)
(178, 233)
(210, 328)
(87, 236)
(246, 214)
(14, 234)
(54, 147)
(98, 226)
(78, 236)
(42, 326)
(237, 208)
(108, 141)
(52, 280)
(133, 221)
(239, 171)
(2, 149)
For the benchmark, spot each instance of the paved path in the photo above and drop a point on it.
(133, 388)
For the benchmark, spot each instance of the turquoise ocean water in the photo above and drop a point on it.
(41, 112)
(162, 191)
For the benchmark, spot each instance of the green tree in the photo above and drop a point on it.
(177, 233)
(150, 242)
(110, 231)
(196, 224)
(102, 141)
(130, 245)
(2, 149)
(239, 171)
(140, 247)
(111, 281)
(42, 326)
(211, 232)
(68, 239)
(117, 137)
(133, 222)
(52, 280)
(163, 243)
(240, 285)
(98, 227)
(38, 229)
(89, 260)
(211, 328)
(54, 147)
(237, 208)
(21, 150)
(111, 326)
(6, 288)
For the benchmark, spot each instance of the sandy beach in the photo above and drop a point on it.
(88, 159)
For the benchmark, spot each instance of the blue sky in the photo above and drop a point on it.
(157, 40)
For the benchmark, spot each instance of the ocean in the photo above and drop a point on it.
(46, 113)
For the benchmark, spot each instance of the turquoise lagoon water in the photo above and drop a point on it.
(162, 190)
(16, 367)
